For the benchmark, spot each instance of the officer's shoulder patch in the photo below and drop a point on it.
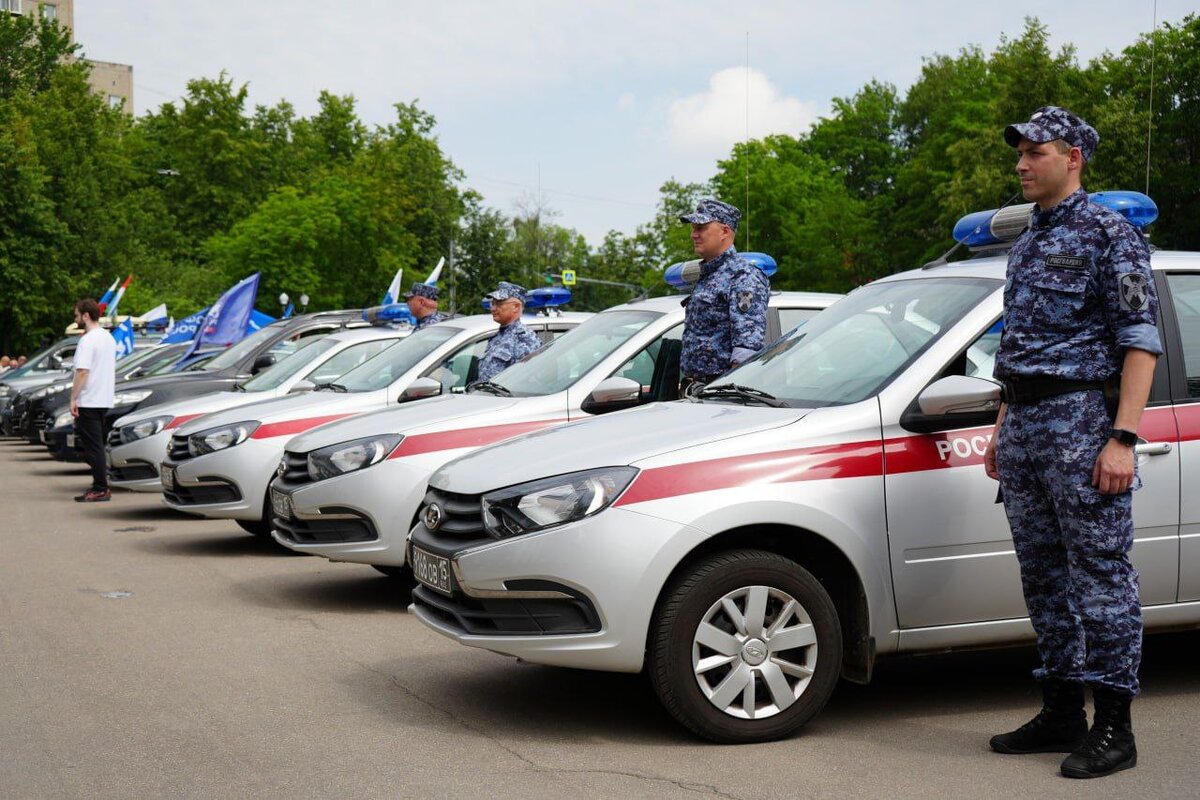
(1132, 286)
(745, 301)
(1068, 262)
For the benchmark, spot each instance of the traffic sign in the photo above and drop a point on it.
(568, 277)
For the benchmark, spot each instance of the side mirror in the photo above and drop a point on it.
(302, 386)
(958, 394)
(420, 389)
(137, 373)
(262, 362)
(613, 394)
(56, 362)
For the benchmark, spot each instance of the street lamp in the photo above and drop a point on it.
(283, 298)
(303, 303)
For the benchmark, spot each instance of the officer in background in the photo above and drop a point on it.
(423, 303)
(514, 341)
(1079, 315)
(725, 319)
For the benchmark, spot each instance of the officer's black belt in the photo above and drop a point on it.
(1018, 391)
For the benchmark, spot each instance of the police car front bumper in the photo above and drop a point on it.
(134, 465)
(598, 578)
(227, 484)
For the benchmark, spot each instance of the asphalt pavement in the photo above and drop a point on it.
(146, 654)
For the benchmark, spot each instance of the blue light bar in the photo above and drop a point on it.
(394, 312)
(978, 229)
(685, 274)
(545, 297)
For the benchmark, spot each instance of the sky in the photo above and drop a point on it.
(583, 107)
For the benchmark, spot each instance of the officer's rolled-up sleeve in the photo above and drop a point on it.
(1131, 302)
(748, 295)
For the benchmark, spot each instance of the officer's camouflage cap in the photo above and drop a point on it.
(712, 210)
(1051, 122)
(428, 290)
(508, 290)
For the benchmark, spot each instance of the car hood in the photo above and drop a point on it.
(308, 406)
(189, 408)
(37, 380)
(613, 439)
(436, 413)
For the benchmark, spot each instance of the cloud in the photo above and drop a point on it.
(712, 121)
(626, 103)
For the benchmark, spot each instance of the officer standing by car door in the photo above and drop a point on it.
(1080, 315)
(422, 301)
(725, 320)
(514, 341)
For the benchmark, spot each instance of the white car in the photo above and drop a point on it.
(826, 508)
(350, 490)
(218, 465)
(138, 441)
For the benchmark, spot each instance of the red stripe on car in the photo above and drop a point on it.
(175, 423)
(293, 426)
(467, 437)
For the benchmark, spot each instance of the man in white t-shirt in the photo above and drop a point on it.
(92, 395)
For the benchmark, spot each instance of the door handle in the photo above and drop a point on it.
(1152, 448)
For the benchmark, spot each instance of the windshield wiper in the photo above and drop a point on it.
(491, 388)
(747, 393)
(337, 387)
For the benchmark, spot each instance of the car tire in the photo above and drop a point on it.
(255, 526)
(709, 653)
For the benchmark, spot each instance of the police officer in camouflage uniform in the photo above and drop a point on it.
(514, 341)
(725, 319)
(1079, 318)
(423, 303)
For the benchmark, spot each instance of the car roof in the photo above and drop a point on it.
(671, 302)
(993, 264)
(476, 323)
(367, 334)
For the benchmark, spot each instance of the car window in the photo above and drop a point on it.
(789, 318)
(979, 359)
(348, 359)
(383, 369)
(1185, 298)
(274, 376)
(656, 367)
(292, 344)
(565, 360)
(854, 348)
(461, 368)
(234, 353)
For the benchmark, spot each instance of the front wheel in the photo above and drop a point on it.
(745, 647)
(257, 527)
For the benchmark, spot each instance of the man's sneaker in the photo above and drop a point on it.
(94, 496)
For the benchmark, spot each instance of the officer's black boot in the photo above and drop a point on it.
(1058, 728)
(1109, 746)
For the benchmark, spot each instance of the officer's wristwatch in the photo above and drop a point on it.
(1127, 438)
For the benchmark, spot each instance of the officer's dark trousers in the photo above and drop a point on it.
(1072, 542)
(89, 426)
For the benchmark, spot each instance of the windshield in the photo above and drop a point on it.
(274, 377)
(235, 353)
(565, 360)
(134, 360)
(398, 359)
(853, 349)
(34, 362)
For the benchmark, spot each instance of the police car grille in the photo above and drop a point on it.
(114, 437)
(295, 468)
(43, 421)
(178, 449)
(462, 514)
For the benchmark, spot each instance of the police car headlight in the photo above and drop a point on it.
(128, 398)
(147, 427)
(5, 391)
(64, 419)
(222, 438)
(338, 459)
(553, 501)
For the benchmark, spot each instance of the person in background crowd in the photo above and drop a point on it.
(423, 303)
(725, 321)
(514, 341)
(92, 394)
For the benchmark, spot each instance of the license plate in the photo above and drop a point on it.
(168, 478)
(433, 571)
(71, 444)
(281, 504)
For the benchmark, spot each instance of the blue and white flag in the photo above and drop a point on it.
(287, 312)
(185, 329)
(228, 319)
(258, 321)
(156, 316)
(392, 295)
(123, 336)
